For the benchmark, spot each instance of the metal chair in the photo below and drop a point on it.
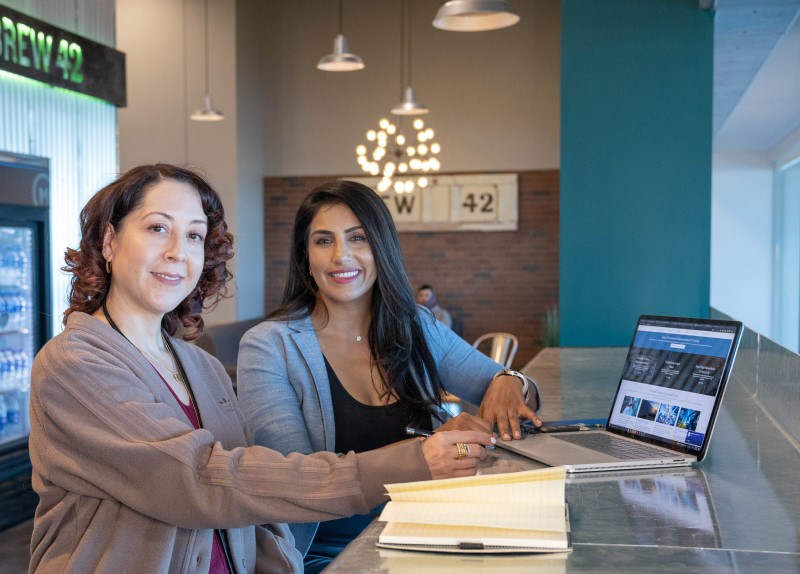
(503, 347)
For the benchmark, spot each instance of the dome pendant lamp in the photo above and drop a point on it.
(340, 60)
(207, 113)
(475, 15)
(409, 106)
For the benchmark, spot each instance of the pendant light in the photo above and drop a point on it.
(340, 60)
(409, 106)
(208, 113)
(475, 15)
(403, 164)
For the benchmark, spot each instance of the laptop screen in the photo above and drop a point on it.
(673, 380)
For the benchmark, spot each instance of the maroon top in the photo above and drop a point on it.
(218, 563)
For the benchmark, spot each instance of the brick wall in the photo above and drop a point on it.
(493, 281)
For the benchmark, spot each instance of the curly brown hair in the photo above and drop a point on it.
(111, 205)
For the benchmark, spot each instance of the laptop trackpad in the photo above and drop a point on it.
(555, 452)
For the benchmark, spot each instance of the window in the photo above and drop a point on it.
(786, 254)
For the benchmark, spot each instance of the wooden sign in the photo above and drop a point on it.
(485, 202)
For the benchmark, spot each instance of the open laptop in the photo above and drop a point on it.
(666, 403)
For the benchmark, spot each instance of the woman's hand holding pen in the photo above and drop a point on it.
(451, 454)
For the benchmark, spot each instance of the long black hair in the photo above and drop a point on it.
(396, 341)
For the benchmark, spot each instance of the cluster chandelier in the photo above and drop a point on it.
(403, 165)
(402, 162)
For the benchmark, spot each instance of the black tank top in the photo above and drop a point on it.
(361, 427)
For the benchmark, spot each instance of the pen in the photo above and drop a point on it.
(426, 433)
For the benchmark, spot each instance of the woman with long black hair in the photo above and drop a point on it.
(349, 360)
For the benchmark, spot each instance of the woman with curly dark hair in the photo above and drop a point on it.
(140, 454)
(90, 268)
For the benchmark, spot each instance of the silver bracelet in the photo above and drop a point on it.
(526, 391)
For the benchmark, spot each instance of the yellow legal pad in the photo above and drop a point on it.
(513, 512)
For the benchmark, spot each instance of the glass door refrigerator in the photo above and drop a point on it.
(24, 316)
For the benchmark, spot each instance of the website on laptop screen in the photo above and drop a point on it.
(671, 379)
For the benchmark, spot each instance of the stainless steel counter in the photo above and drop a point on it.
(736, 511)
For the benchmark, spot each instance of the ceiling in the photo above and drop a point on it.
(756, 73)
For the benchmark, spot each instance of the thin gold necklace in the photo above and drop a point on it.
(175, 373)
(179, 376)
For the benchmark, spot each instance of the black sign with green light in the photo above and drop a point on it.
(40, 51)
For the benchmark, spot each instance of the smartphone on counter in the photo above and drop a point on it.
(564, 426)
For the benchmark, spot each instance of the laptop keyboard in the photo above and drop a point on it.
(611, 445)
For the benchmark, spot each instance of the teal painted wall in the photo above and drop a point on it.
(636, 96)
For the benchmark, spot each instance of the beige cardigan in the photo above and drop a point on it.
(127, 485)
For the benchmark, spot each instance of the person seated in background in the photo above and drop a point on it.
(348, 360)
(140, 454)
(426, 297)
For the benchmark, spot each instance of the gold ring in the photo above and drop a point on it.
(463, 450)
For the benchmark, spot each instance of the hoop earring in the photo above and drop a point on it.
(108, 266)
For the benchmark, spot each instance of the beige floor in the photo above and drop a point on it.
(15, 548)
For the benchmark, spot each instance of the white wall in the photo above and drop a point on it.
(741, 239)
(493, 96)
(164, 43)
(250, 165)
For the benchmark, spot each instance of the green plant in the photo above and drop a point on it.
(550, 327)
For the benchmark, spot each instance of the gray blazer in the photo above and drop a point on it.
(285, 395)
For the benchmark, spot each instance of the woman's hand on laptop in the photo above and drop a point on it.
(504, 404)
